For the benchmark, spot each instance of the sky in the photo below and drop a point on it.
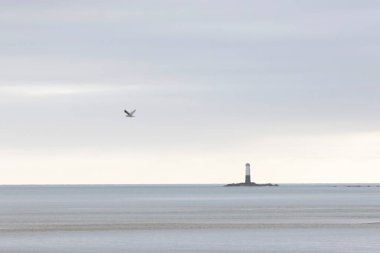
(291, 86)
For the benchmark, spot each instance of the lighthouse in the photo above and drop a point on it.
(247, 181)
(247, 173)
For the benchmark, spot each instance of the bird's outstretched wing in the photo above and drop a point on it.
(132, 112)
(127, 112)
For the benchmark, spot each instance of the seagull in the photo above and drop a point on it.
(129, 114)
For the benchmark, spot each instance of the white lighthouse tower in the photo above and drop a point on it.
(247, 173)
(247, 182)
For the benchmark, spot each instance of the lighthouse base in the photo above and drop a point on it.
(250, 184)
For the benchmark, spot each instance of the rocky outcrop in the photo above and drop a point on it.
(251, 184)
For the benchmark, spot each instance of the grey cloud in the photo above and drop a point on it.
(256, 66)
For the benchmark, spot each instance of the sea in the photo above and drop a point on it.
(318, 218)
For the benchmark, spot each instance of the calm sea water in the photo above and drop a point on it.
(189, 218)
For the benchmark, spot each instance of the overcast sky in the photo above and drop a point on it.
(291, 86)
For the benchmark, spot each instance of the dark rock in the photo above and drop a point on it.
(250, 184)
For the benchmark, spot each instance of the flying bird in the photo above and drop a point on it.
(129, 114)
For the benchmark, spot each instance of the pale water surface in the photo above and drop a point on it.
(189, 218)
